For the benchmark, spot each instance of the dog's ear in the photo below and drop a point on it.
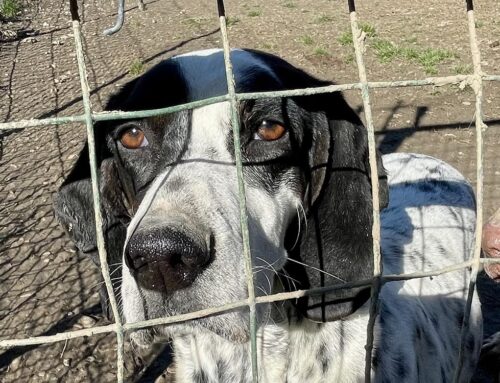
(73, 203)
(74, 207)
(336, 243)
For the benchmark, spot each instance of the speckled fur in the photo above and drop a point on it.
(187, 180)
(417, 331)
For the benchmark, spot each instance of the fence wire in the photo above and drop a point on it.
(475, 81)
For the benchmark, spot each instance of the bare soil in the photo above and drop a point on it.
(45, 287)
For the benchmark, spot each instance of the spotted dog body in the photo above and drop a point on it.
(170, 197)
(419, 319)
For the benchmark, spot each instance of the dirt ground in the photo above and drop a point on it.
(45, 287)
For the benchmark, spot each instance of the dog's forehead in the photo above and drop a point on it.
(204, 75)
(195, 76)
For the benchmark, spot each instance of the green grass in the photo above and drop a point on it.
(368, 29)
(232, 20)
(427, 58)
(323, 19)
(136, 68)
(289, 4)
(255, 12)
(430, 57)
(345, 38)
(479, 24)
(9, 9)
(307, 40)
(462, 69)
(196, 21)
(321, 52)
(385, 50)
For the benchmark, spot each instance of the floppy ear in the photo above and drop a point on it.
(74, 207)
(73, 203)
(338, 202)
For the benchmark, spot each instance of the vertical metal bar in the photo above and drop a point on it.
(241, 190)
(477, 85)
(96, 197)
(357, 39)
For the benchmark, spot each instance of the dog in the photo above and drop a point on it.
(171, 218)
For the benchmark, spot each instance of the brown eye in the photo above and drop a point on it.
(133, 138)
(270, 131)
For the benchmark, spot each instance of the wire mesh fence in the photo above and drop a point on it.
(89, 117)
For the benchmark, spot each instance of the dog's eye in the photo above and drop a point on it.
(133, 138)
(270, 131)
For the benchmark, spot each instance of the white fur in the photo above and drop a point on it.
(288, 352)
(433, 231)
(209, 198)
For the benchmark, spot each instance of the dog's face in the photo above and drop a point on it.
(169, 185)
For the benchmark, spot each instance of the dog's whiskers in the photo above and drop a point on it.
(115, 270)
(315, 268)
(268, 315)
(288, 277)
(267, 262)
(301, 206)
(279, 274)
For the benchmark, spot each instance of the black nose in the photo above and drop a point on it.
(166, 258)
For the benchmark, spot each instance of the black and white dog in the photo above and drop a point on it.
(171, 220)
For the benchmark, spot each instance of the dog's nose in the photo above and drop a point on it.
(167, 258)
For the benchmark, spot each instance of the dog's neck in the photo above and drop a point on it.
(292, 353)
(207, 357)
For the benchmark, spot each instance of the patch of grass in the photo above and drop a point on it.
(430, 57)
(427, 58)
(479, 24)
(462, 69)
(323, 19)
(368, 29)
(307, 40)
(232, 20)
(195, 21)
(289, 4)
(345, 39)
(255, 12)
(136, 68)
(385, 50)
(9, 9)
(321, 52)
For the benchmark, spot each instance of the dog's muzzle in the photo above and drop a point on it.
(166, 259)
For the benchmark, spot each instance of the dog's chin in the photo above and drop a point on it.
(142, 339)
(233, 327)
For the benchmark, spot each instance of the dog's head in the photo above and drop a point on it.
(169, 186)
